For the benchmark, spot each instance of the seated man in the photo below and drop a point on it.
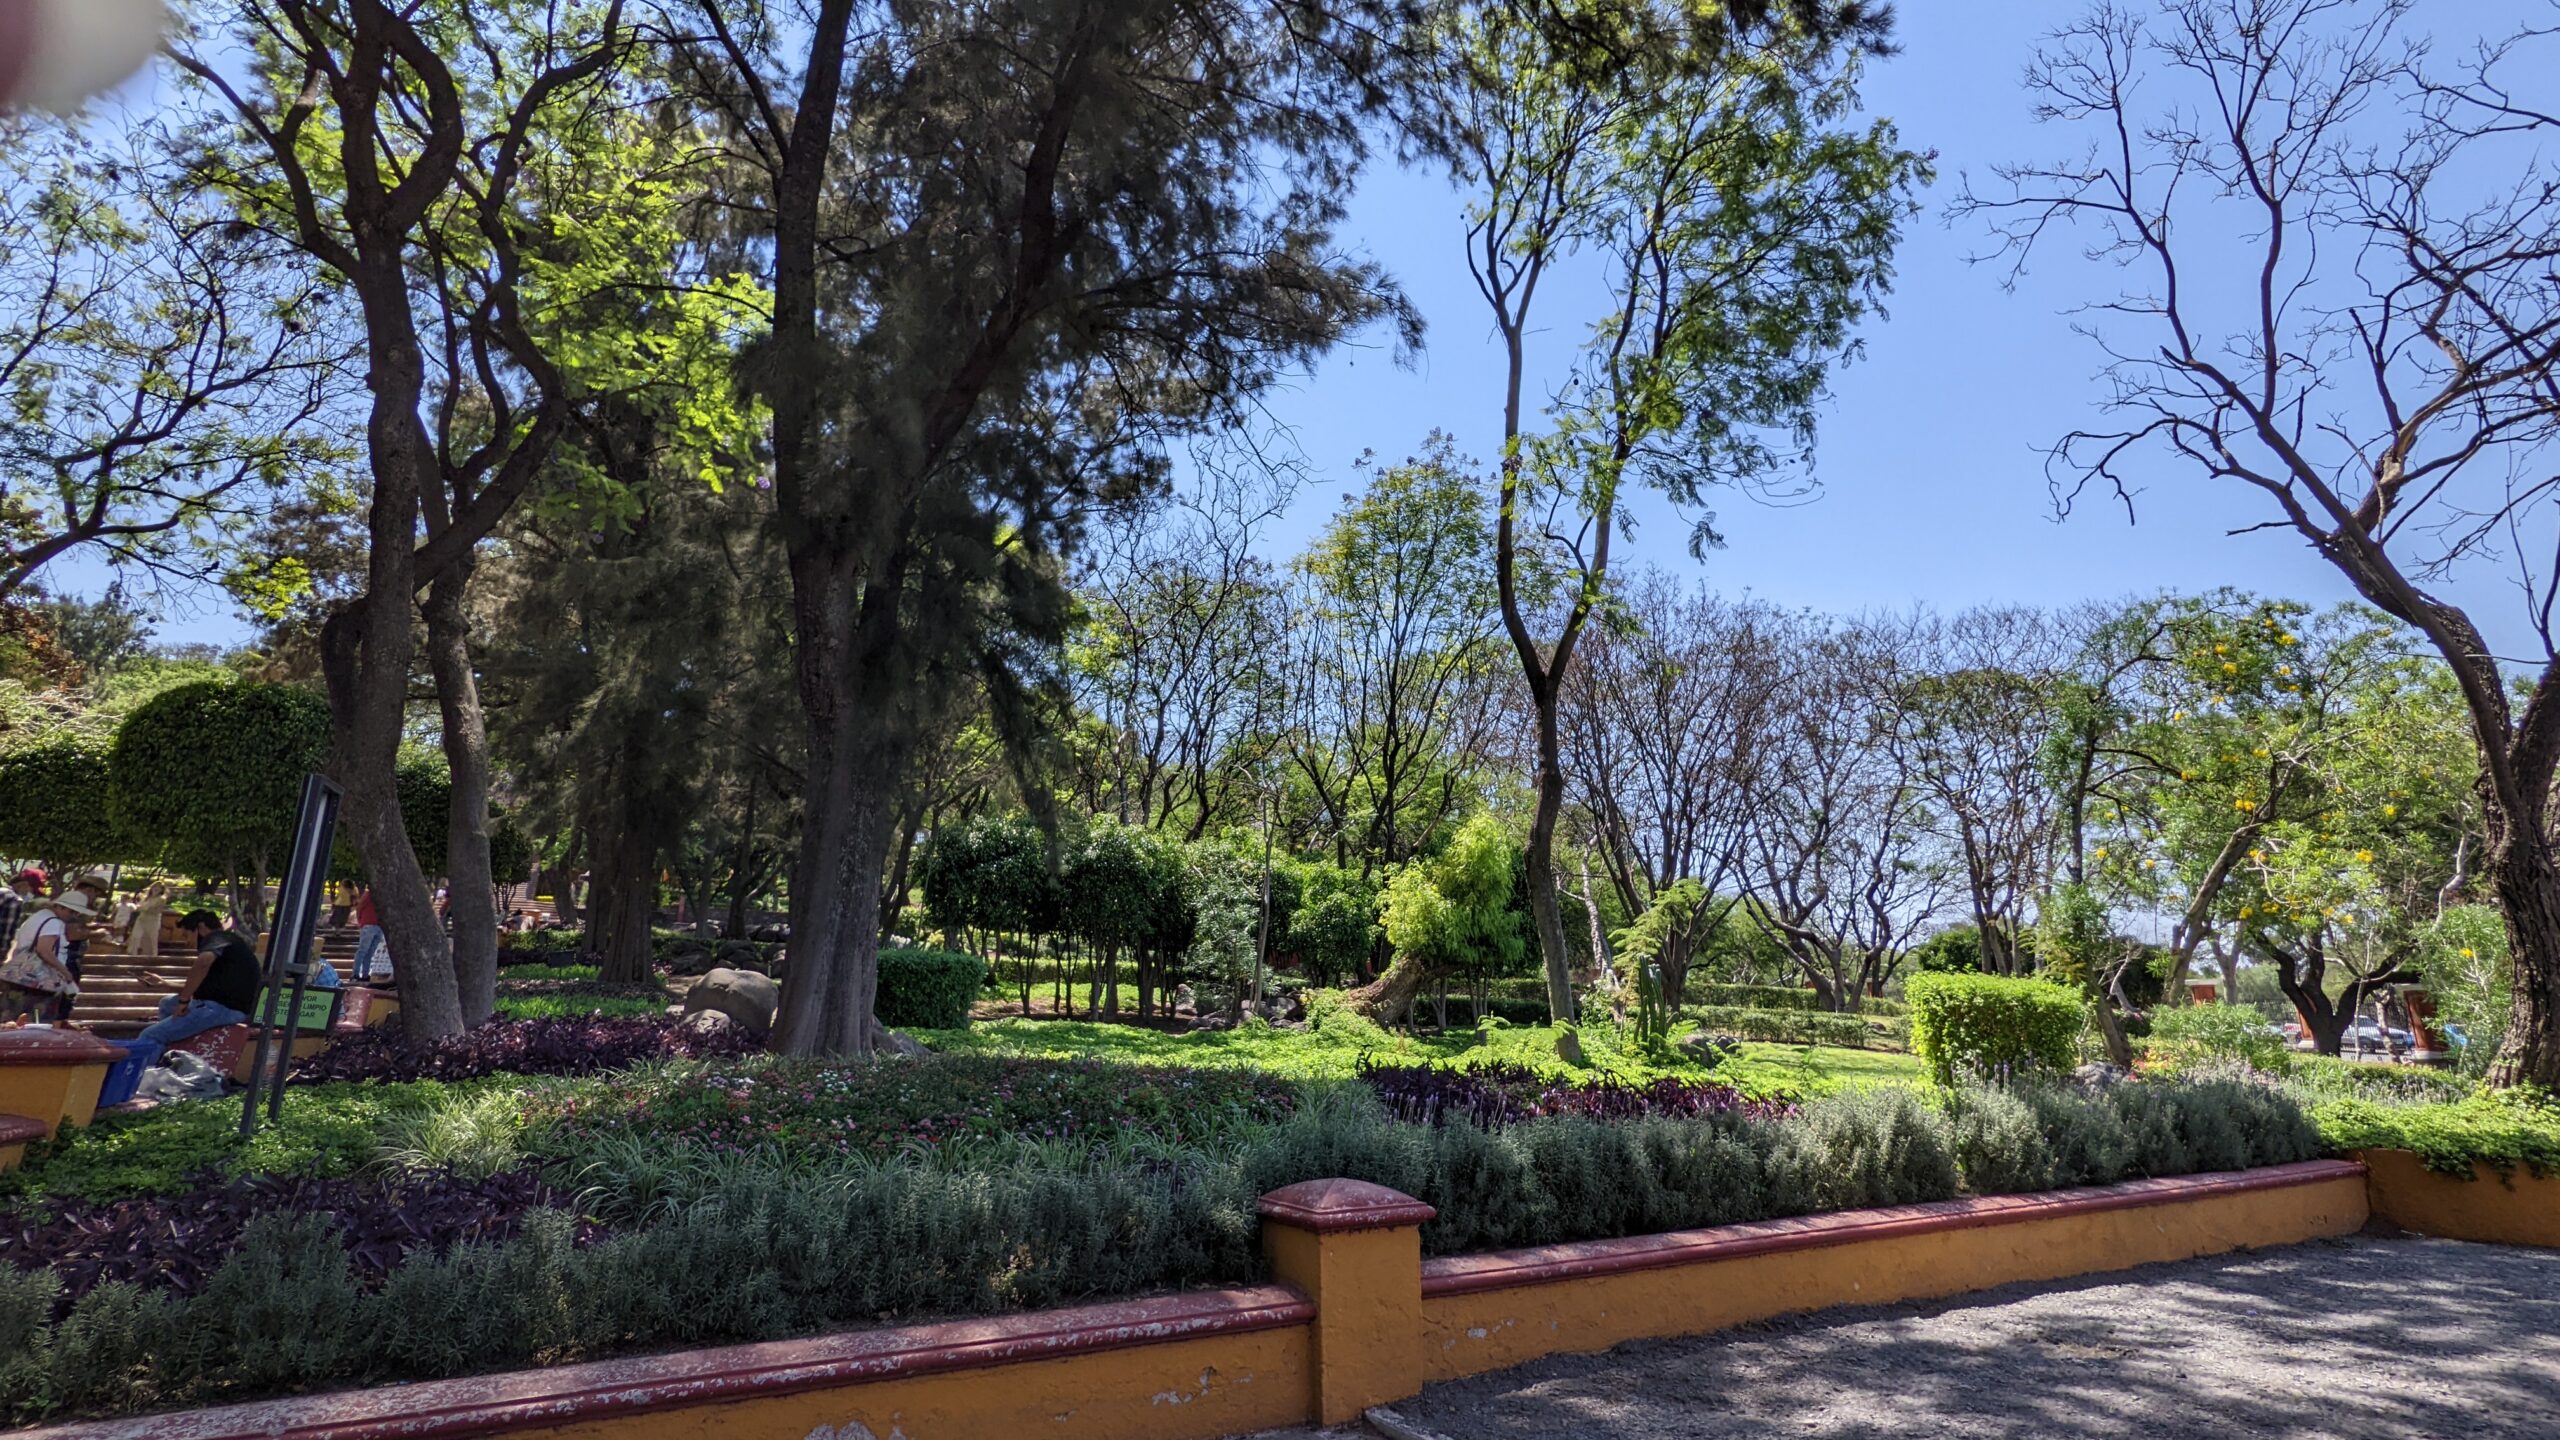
(220, 989)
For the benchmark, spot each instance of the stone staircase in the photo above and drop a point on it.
(116, 1001)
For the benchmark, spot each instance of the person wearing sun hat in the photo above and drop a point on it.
(37, 973)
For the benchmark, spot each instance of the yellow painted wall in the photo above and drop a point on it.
(2522, 1209)
(1489, 1330)
(1184, 1390)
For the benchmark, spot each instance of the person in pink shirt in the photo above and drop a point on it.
(368, 935)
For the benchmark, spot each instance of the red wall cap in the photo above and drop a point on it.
(604, 1389)
(19, 1129)
(56, 1047)
(1331, 1207)
(1504, 1269)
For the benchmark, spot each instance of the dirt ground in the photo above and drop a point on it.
(2369, 1338)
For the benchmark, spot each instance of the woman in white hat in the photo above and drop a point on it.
(37, 974)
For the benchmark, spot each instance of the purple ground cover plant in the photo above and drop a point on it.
(571, 1045)
(1493, 1094)
(176, 1242)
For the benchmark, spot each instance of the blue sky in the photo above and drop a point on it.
(1933, 487)
(1932, 482)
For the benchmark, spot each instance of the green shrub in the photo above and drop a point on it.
(1992, 1024)
(1787, 997)
(2186, 1034)
(2506, 1130)
(1885, 1146)
(1999, 1141)
(1785, 1027)
(927, 989)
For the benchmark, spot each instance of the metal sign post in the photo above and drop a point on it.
(294, 941)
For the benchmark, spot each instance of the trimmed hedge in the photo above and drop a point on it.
(1993, 1024)
(1787, 997)
(927, 989)
(1784, 1027)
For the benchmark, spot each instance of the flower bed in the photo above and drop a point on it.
(548, 1046)
(1493, 1094)
(879, 1110)
(177, 1242)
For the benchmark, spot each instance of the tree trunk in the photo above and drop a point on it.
(1389, 998)
(366, 649)
(625, 896)
(830, 983)
(2528, 889)
(564, 879)
(1544, 912)
(473, 892)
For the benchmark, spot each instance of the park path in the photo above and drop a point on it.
(2367, 1338)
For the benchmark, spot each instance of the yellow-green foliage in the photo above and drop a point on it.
(1992, 1024)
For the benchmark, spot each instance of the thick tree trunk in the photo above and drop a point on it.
(366, 650)
(2528, 889)
(624, 898)
(1389, 998)
(473, 907)
(1544, 912)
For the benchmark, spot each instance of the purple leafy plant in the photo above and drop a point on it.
(568, 1045)
(176, 1242)
(1493, 1094)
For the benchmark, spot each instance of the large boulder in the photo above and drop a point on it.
(744, 996)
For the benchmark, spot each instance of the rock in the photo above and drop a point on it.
(1213, 1022)
(742, 995)
(890, 1042)
(740, 955)
(706, 1022)
(1708, 1049)
(2100, 1076)
(690, 957)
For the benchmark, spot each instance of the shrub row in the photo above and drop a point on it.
(1784, 1027)
(1786, 997)
(2041, 1137)
(1993, 1025)
(1492, 1094)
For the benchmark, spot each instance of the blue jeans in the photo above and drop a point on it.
(366, 944)
(203, 1015)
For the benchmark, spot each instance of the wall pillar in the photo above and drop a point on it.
(1355, 1249)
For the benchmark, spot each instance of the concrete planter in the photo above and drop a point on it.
(2518, 1209)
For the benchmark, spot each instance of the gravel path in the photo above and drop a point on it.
(2359, 1339)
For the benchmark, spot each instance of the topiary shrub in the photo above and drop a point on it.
(927, 989)
(1993, 1025)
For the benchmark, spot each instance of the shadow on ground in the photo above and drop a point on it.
(2360, 1339)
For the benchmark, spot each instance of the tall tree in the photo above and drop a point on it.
(1665, 723)
(1015, 245)
(397, 149)
(2342, 299)
(1702, 160)
(1394, 682)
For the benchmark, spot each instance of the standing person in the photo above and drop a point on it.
(220, 989)
(368, 936)
(38, 974)
(142, 937)
(97, 888)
